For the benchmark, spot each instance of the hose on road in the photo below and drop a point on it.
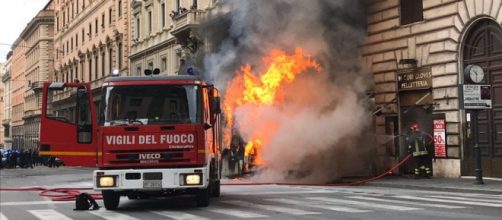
(69, 194)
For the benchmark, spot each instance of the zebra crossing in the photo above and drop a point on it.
(297, 206)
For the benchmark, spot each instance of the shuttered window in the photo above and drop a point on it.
(411, 11)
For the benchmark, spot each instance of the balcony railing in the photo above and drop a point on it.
(185, 19)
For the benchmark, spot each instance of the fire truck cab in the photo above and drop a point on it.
(153, 136)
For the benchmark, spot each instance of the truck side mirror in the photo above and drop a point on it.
(215, 104)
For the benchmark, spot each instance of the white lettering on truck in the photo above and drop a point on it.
(150, 139)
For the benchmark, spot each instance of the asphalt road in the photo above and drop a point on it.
(250, 202)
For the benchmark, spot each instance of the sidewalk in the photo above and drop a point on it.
(464, 184)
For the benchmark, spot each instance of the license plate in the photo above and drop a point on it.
(152, 183)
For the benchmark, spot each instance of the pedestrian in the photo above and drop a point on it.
(30, 159)
(418, 143)
(240, 158)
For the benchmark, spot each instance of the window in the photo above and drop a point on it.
(138, 70)
(110, 16)
(90, 69)
(57, 22)
(138, 28)
(119, 55)
(64, 18)
(150, 66)
(83, 36)
(83, 3)
(149, 21)
(76, 40)
(103, 21)
(77, 5)
(90, 31)
(96, 67)
(411, 11)
(103, 64)
(71, 40)
(110, 59)
(96, 25)
(163, 64)
(163, 15)
(120, 8)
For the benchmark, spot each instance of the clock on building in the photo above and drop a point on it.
(474, 73)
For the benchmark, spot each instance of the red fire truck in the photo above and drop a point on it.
(154, 135)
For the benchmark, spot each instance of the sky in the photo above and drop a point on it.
(14, 16)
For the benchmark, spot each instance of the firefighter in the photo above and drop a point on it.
(417, 145)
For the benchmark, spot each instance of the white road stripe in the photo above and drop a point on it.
(111, 215)
(406, 202)
(271, 208)
(176, 215)
(3, 217)
(448, 201)
(236, 213)
(33, 203)
(49, 214)
(366, 204)
(318, 206)
(498, 201)
(282, 192)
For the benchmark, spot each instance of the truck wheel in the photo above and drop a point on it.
(111, 199)
(216, 189)
(202, 197)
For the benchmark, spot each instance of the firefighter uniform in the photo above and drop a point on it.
(417, 145)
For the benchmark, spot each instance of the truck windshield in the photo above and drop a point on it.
(150, 104)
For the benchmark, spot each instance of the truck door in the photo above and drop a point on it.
(68, 124)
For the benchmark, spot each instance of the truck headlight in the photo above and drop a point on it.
(193, 179)
(106, 181)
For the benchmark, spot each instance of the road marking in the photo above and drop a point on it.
(280, 193)
(34, 203)
(271, 208)
(448, 201)
(320, 206)
(367, 204)
(111, 215)
(179, 215)
(49, 214)
(407, 202)
(468, 199)
(236, 213)
(3, 217)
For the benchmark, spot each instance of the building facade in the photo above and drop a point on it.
(418, 51)
(7, 104)
(164, 34)
(91, 40)
(18, 86)
(2, 104)
(38, 37)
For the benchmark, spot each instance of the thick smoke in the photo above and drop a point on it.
(318, 128)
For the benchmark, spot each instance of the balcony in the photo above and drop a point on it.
(185, 21)
(37, 86)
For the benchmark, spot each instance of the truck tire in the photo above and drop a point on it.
(215, 192)
(202, 197)
(111, 199)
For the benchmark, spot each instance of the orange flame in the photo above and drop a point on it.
(263, 89)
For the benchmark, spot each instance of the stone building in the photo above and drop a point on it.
(3, 71)
(38, 42)
(164, 35)
(7, 103)
(18, 86)
(91, 40)
(418, 52)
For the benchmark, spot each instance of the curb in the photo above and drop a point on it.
(436, 188)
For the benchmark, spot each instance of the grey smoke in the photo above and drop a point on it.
(320, 129)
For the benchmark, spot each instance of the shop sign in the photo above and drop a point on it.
(414, 79)
(439, 138)
(476, 97)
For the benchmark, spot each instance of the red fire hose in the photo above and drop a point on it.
(69, 194)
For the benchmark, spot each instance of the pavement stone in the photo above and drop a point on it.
(463, 184)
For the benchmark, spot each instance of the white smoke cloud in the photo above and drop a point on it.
(316, 133)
